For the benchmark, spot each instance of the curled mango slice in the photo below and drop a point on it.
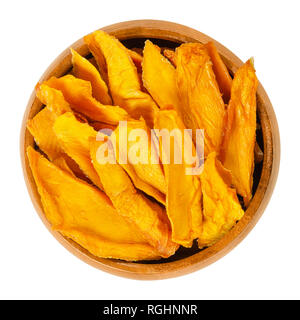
(146, 215)
(78, 93)
(159, 77)
(124, 82)
(221, 207)
(146, 176)
(41, 125)
(83, 69)
(85, 214)
(73, 136)
(183, 190)
(239, 140)
(202, 105)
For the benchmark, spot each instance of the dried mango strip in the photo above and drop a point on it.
(103, 248)
(78, 93)
(202, 105)
(41, 129)
(84, 70)
(40, 126)
(52, 98)
(183, 190)
(95, 50)
(73, 136)
(239, 139)
(85, 214)
(146, 215)
(222, 75)
(97, 54)
(146, 176)
(124, 82)
(159, 77)
(221, 207)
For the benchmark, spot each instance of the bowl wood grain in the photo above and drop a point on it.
(167, 34)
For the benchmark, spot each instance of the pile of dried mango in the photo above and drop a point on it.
(144, 210)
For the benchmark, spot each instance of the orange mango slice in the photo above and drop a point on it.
(146, 176)
(73, 137)
(239, 140)
(202, 106)
(83, 69)
(40, 126)
(78, 93)
(123, 78)
(85, 214)
(221, 207)
(159, 77)
(183, 203)
(148, 216)
(222, 75)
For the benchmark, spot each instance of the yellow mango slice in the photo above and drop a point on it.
(183, 202)
(96, 52)
(103, 248)
(239, 139)
(124, 82)
(41, 129)
(159, 77)
(146, 176)
(146, 215)
(52, 98)
(40, 126)
(221, 72)
(73, 137)
(221, 207)
(78, 93)
(202, 105)
(83, 69)
(85, 214)
(151, 173)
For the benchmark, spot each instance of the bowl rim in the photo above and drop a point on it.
(177, 33)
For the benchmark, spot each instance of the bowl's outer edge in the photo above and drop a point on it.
(178, 33)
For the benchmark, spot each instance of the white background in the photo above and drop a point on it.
(34, 265)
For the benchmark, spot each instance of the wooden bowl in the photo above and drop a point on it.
(167, 34)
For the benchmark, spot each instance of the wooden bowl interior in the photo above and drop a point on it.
(185, 260)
